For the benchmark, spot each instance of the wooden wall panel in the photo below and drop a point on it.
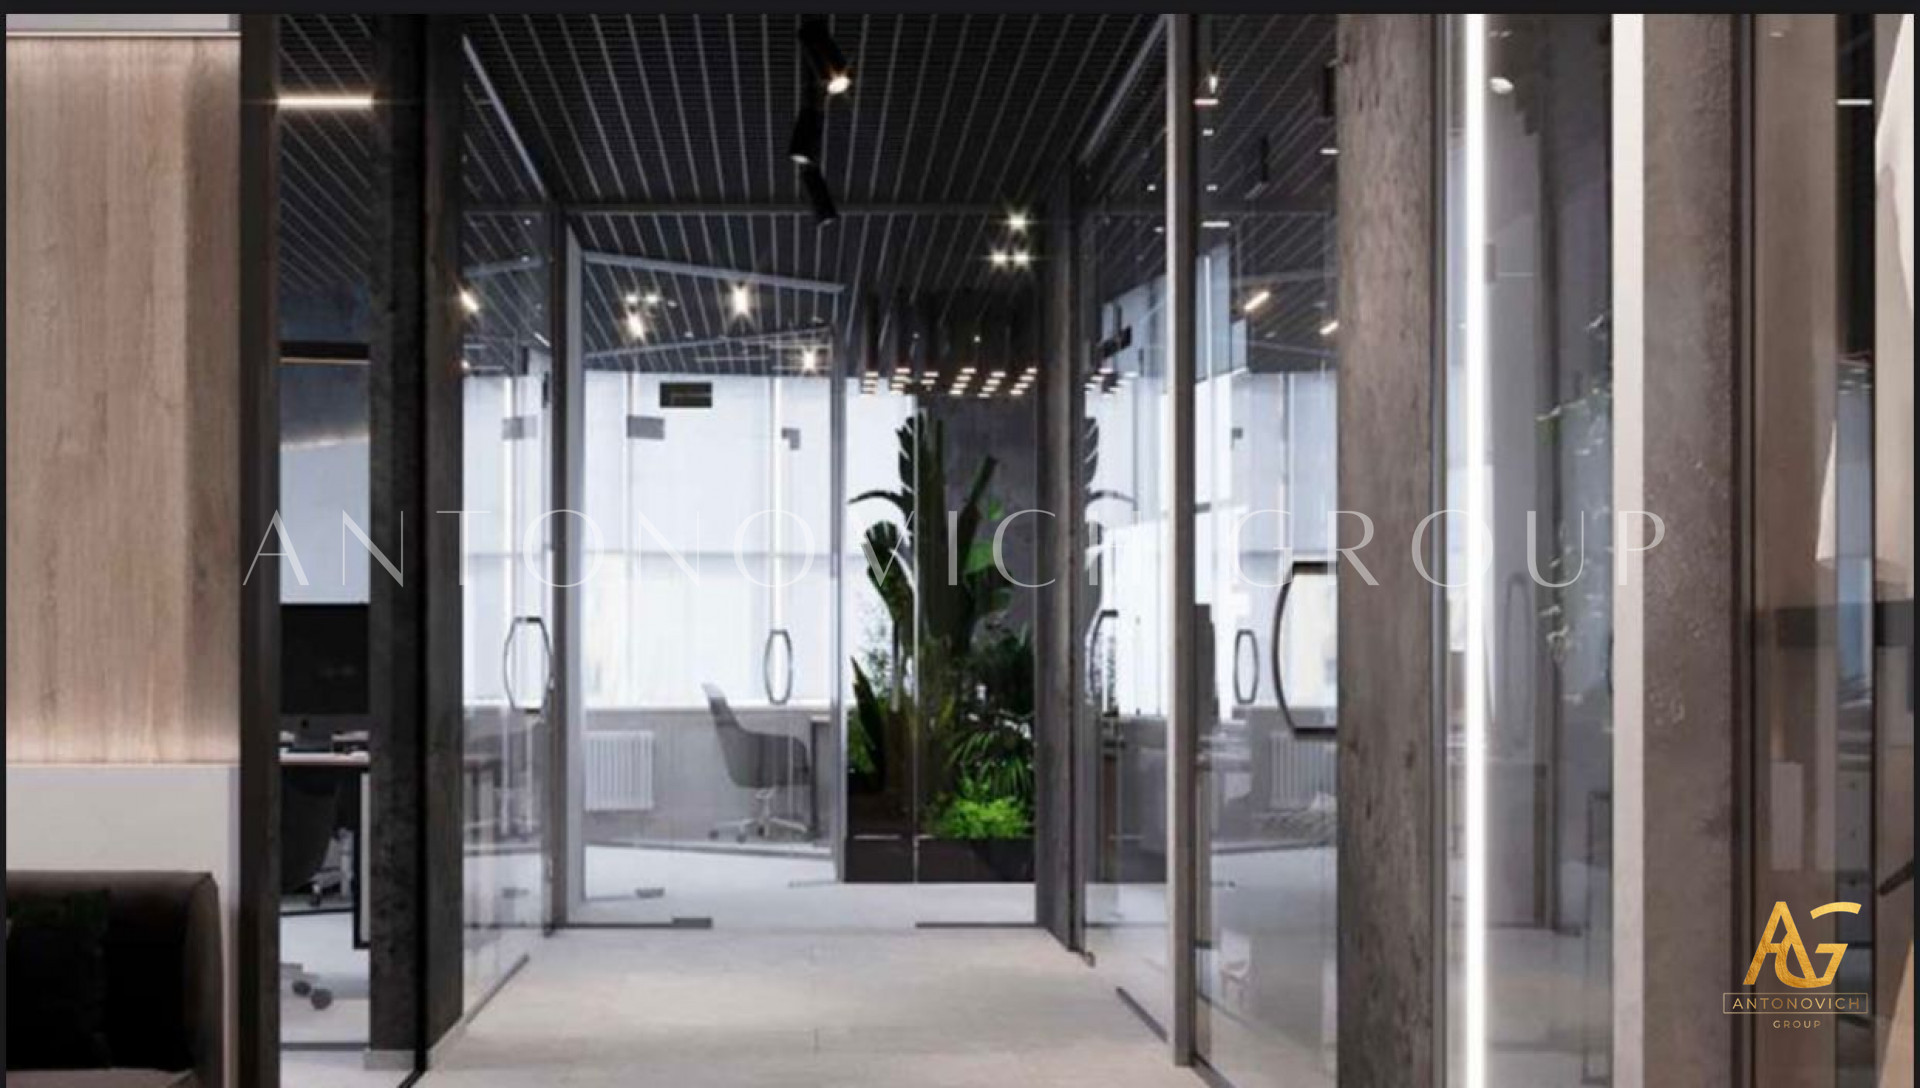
(123, 565)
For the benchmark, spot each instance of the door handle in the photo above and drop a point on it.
(1093, 677)
(1246, 637)
(1279, 617)
(539, 623)
(785, 638)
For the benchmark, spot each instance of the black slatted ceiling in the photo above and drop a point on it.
(676, 128)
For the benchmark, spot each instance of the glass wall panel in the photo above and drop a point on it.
(1833, 522)
(509, 435)
(1529, 607)
(1126, 503)
(1265, 446)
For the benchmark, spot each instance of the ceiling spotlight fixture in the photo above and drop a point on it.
(652, 299)
(1255, 301)
(824, 56)
(633, 298)
(820, 196)
(741, 300)
(1500, 85)
(469, 301)
(1017, 222)
(803, 146)
(1021, 258)
(1000, 257)
(809, 361)
(1216, 224)
(636, 326)
(1210, 97)
(1331, 327)
(1329, 151)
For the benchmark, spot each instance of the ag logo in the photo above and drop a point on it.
(1782, 937)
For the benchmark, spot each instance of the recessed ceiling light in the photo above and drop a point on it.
(633, 298)
(1022, 258)
(999, 258)
(1329, 151)
(469, 301)
(1216, 224)
(1500, 84)
(741, 300)
(1331, 327)
(636, 326)
(809, 360)
(1255, 301)
(653, 298)
(1017, 222)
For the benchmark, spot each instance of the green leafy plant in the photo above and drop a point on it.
(952, 670)
(983, 818)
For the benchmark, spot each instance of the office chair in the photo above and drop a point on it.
(316, 855)
(761, 762)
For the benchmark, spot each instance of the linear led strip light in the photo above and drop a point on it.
(1473, 92)
(325, 102)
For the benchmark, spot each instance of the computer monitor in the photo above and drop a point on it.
(323, 670)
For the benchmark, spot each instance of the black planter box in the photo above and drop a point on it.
(976, 861)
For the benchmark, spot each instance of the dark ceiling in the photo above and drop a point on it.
(666, 138)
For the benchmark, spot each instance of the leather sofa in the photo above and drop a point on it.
(164, 1010)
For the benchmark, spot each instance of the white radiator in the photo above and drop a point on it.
(620, 771)
(1301, 769)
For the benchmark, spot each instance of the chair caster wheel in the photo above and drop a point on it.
(321, 998)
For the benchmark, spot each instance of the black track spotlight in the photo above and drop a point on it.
(803, 147)
(821, 197)
(828, 62)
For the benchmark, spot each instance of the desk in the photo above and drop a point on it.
(360, 765)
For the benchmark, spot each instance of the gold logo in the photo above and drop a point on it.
(1782, 936)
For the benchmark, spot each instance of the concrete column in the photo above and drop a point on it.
(1389, 768)
(1677, 644)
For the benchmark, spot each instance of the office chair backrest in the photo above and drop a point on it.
(740, 748)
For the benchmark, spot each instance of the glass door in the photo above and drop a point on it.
(709, 743)
(1123, 608)
(508, 534)
(508, 575)
(1266, 329)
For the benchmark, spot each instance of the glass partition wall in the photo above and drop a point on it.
(1264, 465)
(1528, 603)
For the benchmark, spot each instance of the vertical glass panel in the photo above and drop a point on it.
(324, 270)
(1265, 446)
(508, 449)
(1125, 503)
(1529, 611)
(1832, 392)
